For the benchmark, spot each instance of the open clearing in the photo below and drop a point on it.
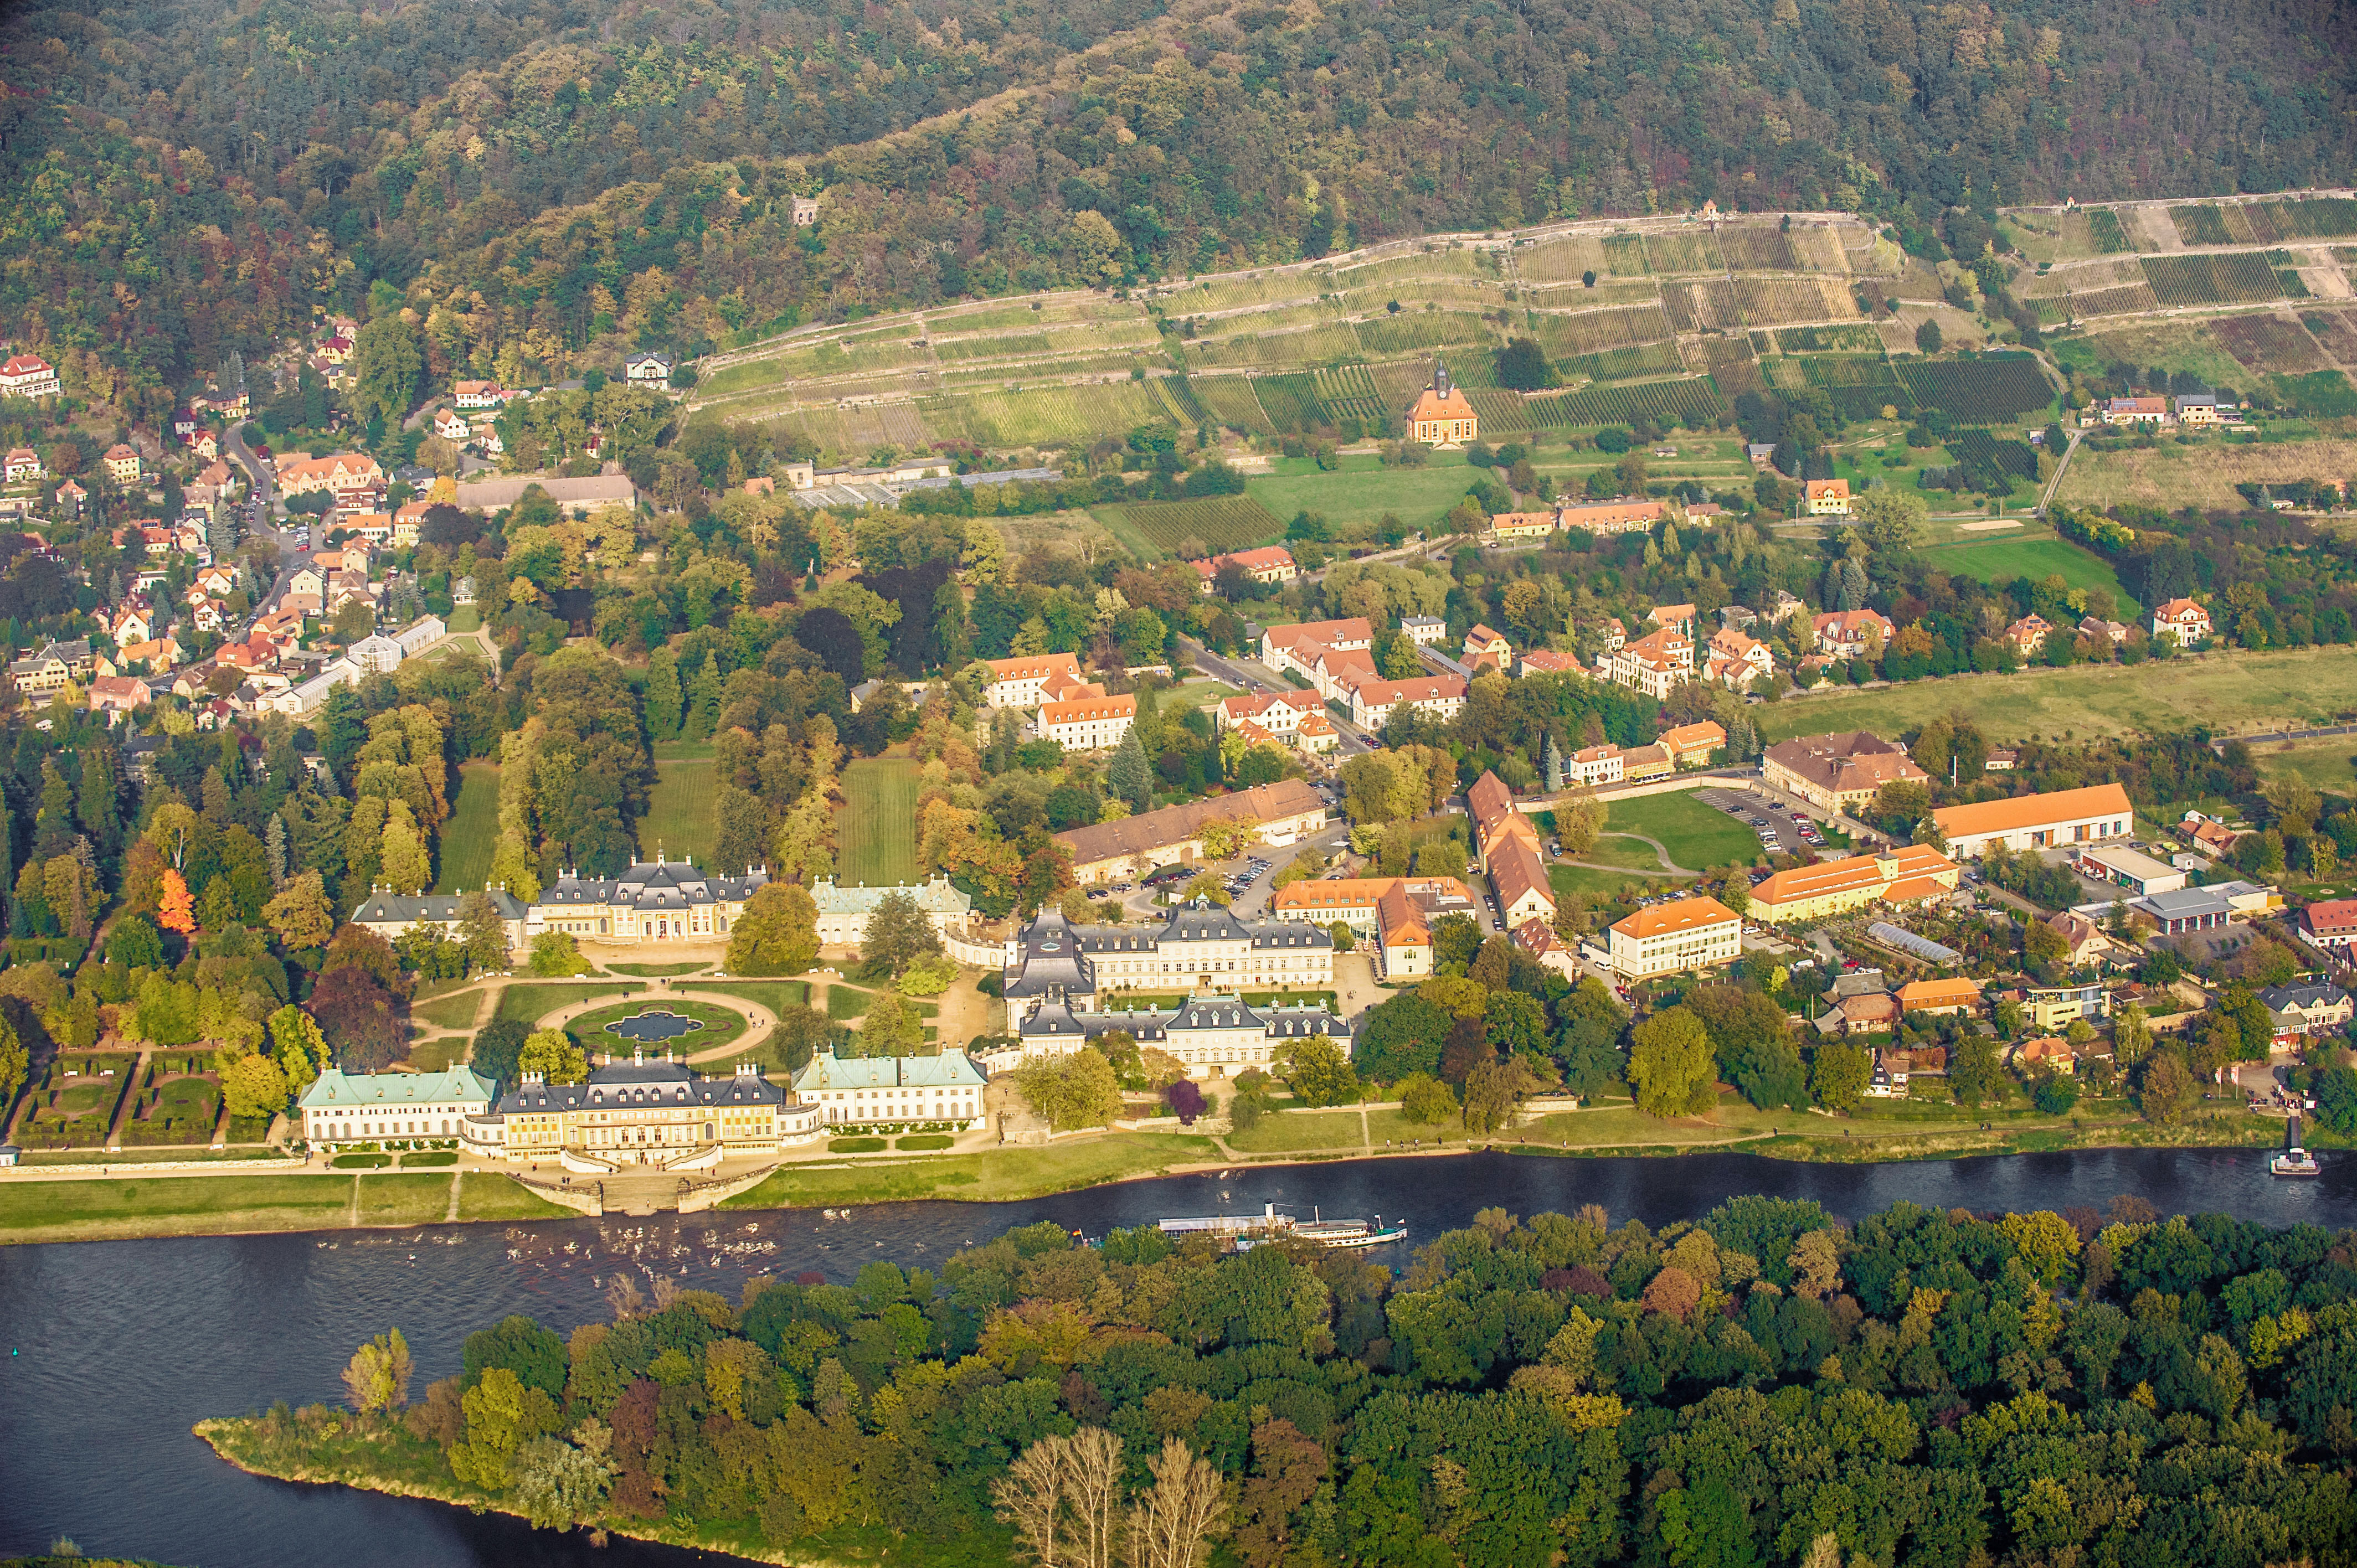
(679, 822)
(472, 833)
(1696, 837)
(2036, 556)
(2293, 687)
(212, 1205)
(2169, 476)
(2328, 764)
(875, 832)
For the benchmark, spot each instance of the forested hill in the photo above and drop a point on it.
(177, 179)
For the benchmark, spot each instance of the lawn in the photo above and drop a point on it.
(777, 995)
(845, 1001)
(210, 1205)
(680, 819)
(1696, 837)
(451, 1012)
(465, 620)
(1194, 695)
(472, 833)
(1000, 1176)
(2295, 686)
(1585, 882)
(440, 1056)
(721, 1025)
(2030, 551)
(1295, 1129)
(1362, 490)
(531, 1003)
(877, 827)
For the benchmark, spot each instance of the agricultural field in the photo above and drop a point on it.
(1217, 523)
(2320, 395)
(2225, 693)
(2202, 475)
(2202, 225)
(1996, 389)
(472, 833)
(680, 819)
(1836, 339)
(1690, 401)
(2213, 279)
(875, 841)
(2186, 346)
(2336, 330)
(2270, 345)
(1363, 491)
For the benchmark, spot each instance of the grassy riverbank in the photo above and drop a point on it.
(329, 1446)
(998, 1177)
(121, 1208)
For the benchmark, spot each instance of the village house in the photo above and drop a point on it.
(22, 463)
(1088, 723)
(2196, 408)
(1441, 414)
(1690, 745)
(1027, 679)
(2183, 620)
(1939, 998)
(122, 464)
(648, 370)
(2331, 924)
(2315, 1008)
(1825, 497)
(469, 395)
(341, 473)
(1735, 658)
(450, 425)
(1545, 661)
(2146, 409)
(1668, 938)
(1624, 514)
(1372, 703)
(1272, 563)
(1484, 646)
(2028, 635)
(1656, 664)
(27, 376)
(1846, 634)
(48, 667)
(1594, 765)
(1424, 631)
(1506, 525)
(1276, 712)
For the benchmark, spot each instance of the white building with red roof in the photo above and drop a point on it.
(1271, 563)
(27, 375)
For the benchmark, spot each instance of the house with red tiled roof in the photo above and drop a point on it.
(2183, 620)
(27, 375)
(1271, 563)
(1827, 497)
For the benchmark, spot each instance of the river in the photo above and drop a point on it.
(114, 1349)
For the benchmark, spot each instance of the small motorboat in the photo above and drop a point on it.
(2294, 1161)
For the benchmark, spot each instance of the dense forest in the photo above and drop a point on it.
(543, 181)
(1768, 1385)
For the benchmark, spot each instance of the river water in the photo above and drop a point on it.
(115, 1349)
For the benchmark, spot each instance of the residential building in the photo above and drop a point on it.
(1424, 631)
(942, 1093)
(2183, 620)
(2315, 1008)
(2050, 1051)
(1272, 563)
(648, 370)
(1939, 997)
(2112, 631)
(1484, 646)
(1656, 664)
(27, 375)
(1622, 515)
(1676, 617)
(1669, 939)
(1642, 763)
(1903, 875)
(1395, 914)
(667, 901)
(2053, 1006)
(2136, 411)
(1299, 647)
(338, 1110)
(1088, 723)
(390, 913)
(122, 464)
(1506, 525)
(116, 696)
(341, 473)
(1122, 849)
(1825, 497)
(2196, 408)
(1846, 634)
(48, 669)
(450, 425)
(1278, 713)
(2130, 868)
(1211, 1034)
(1537, 939)
(1594, 765)
(1690, 745)
(1316, 735)
(2037, 822)
(24, 463)
(2332, 924)
(643, 1112)
(1862, 1013)
(1518, 876)
(1546, 661)
(1441, 414)
(470, 395)
(1735, 658)
(1028, 680)
(1837, 772)
(842, 911)
(1201, 947)
(1372, 703)
(2083, 939)
(2028, 636)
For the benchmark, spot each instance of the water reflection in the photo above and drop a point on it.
(121, 1347)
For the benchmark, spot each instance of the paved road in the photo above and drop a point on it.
(2325, 733)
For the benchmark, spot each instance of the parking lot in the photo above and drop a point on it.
(1780, 828)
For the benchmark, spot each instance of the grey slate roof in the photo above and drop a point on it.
(406, 908)
(634, 1083)
(665, 885)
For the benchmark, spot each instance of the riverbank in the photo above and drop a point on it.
(89, 1208)
(321, 1446)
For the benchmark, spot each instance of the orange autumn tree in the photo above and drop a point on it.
(175, 908)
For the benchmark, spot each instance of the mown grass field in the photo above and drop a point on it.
(2246, 692)
(531, 1003)
(2035, 553)
(472, 833)
(777, 995)
(998, 1177)
(1588, 883)
(590, 1031)
(1363, 491)
(1696, 837)
(876, 830)
(451, 1012)
(680, 819)
(226, 1205)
